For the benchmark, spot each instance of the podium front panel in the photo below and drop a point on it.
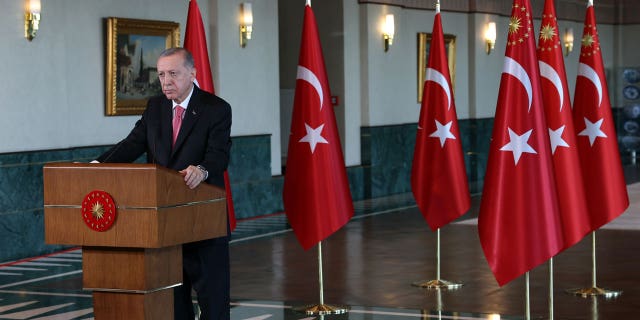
(154, 206)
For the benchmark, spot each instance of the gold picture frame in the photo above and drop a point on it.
(133, 46)
(424, 41)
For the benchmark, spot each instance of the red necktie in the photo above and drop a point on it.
(177, 121)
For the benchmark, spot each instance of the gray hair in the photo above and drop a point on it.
(188, 58)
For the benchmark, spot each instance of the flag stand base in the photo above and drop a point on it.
(437, 284)
(321, 309)
(595, 291)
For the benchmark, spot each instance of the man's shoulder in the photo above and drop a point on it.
(215, 100)
(211, 100)
(155, 103)
(158, 100)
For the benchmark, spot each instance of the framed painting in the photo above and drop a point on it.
(133, 47)
(424, 42)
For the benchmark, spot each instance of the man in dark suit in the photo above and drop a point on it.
(199, 150)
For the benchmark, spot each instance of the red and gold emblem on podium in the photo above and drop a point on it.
(98, 210)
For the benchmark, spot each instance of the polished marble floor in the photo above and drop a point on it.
(368, 266)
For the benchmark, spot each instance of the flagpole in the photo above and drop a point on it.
(439, 294)
(527, 306)
(425, 157)
(551, 289)
(437, 283)
(438, 255)
(320, 278)
(321, 309)
(309, 168)
(594, 290)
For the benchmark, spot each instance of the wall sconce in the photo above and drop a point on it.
(568, 41)
(490, 36)
(388, 30)
(246, 23)
(31, 18)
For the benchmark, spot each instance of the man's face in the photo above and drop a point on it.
(175, 78)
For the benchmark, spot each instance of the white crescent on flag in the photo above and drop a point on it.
(437, 77)
(547, 71)
(308, 76)
(513, 68)
(588, 72)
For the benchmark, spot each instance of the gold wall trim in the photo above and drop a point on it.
(607, 11)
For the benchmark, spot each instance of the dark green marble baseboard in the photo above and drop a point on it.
(386, 151)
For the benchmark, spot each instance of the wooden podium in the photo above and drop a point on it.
(132, 266)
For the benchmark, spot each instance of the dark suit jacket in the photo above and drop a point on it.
(204, 137)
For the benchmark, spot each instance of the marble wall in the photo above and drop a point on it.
(387, 153)
(21, 199)
(255, 191)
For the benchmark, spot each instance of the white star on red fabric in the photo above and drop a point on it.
(443, 132)
(314, 136)
(592, 130)
(518, 144)
(556, 139)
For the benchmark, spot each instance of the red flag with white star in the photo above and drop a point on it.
(519, 222)
(195, 41)
(605, 187)
(557, 106)
(438, 176)
(316, 193)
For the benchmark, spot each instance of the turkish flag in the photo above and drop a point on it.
(605, 187)
(195, 41)
(557, 105)
(438, 176)
(519, 220)
(316, 193)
